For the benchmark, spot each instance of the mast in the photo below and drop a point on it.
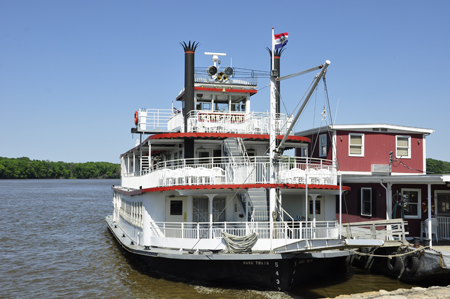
(272, 146)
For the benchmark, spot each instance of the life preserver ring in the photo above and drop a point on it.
(136, 118)
(412, 264)
(425, 207)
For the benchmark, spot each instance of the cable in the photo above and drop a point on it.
(404, 165)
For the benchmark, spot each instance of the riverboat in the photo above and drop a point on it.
(209, 195)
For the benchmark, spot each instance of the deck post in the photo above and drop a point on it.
(430, 227)
(340, 205)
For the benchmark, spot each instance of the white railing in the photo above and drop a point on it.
(211, 121)
(249, 81)
(393, 229)
(298, 230)
(176, 122)
(154, 119)
(217, 171)
(235, 122)
(443, 229)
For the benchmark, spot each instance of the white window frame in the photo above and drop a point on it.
(409, 146)
(322, 145)
(362, 202)
(436, 192)
(304, 152)
(349, 144)
(419, 203)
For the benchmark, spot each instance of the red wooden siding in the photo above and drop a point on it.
(377, 146)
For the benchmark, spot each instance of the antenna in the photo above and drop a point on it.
(215, 56)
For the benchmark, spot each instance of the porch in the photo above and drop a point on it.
(440, 229)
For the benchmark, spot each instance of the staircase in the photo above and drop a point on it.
(145, 164)
(234, 149)
(260, 202)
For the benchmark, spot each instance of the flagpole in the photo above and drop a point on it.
(273, 47)
(272, 194)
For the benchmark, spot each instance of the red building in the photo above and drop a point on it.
(385, 166)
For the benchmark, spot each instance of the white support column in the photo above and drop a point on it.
(128, 164)
(389, 201)
(140, 159)
(340, 205)
(430, 227)
(134, 163)
(334, 153)
(314, 197)
(150, 166)
(211, 214)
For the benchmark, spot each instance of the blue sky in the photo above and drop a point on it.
(72, 73)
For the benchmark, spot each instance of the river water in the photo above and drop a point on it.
(54, 244)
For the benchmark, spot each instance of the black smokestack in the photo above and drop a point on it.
(188, 98)
(276, 63)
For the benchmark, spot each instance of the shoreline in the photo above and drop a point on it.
(434, 292)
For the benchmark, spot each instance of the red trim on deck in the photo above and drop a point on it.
(221, 89)
(224, 136)
(242, 186)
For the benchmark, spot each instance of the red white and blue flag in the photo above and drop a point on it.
(281, 40)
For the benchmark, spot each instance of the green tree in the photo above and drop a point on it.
(24, 168)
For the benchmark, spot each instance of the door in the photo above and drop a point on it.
(320, 208)
(176, 209)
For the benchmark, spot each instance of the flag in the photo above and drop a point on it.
(281, 40)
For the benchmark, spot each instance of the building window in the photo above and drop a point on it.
(366, 201)
(304, 152)
(176, 207)
(323, 145)
(404, 146)
(443, 203)
(412, 203)
(356, 144)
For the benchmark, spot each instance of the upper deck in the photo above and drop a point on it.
(155, 121)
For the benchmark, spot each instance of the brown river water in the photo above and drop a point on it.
(55, 244)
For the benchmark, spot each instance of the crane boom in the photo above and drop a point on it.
(318, 77)
(299, 73)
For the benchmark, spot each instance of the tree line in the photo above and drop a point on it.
(437, 166)
(24, 168)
